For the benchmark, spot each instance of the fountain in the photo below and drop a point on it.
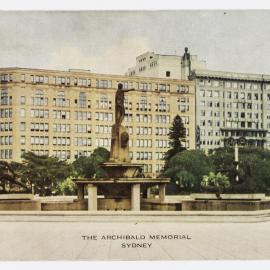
(124, 181)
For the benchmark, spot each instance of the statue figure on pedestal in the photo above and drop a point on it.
(120, 137)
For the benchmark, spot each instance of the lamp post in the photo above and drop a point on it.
(236, 160)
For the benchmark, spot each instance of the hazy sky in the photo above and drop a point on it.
(108, 42)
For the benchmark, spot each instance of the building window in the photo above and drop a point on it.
(64, 141)
(22, 100)
(61, 128)
(164, 87)
(39, 113)
(183, 104)
(6, 126)
(37, 79)
(22, 112)
(58, 114)
(62, 80)
(38, 99)
(22, 141)
(39, 140)
(60, 100)
(5, 140)
(82, 100)
(5, 113)
(104, 103)
(142, 105)
(4, 98)
(5, 78)
(163, 119)
(168, 74)
(104, 84)
(6, 154)
(104, 116)
(83, 141)
(79, 115)
(182, 89)
(145, 118)
(162, 106)
(83, 128)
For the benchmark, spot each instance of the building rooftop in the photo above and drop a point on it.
(230, 75)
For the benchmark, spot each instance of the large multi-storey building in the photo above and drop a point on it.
(68, 114)
(232, 106)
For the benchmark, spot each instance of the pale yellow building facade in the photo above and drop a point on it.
(70, 113)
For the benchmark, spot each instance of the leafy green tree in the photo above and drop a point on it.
(89, 166)
(67, 187)
(254, 168)
(217, 182)
(223, 161)
(42, 171)
(177, 138)
(187, 169)
(254, 174)
(8, 177)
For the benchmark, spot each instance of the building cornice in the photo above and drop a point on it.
(221, 75)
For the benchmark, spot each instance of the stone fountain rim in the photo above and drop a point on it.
(115, 164)
(121, 180)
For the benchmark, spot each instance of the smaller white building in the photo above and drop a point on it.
(154, 65)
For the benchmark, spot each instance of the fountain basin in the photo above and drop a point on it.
(121, 170)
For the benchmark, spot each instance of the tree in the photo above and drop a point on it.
(177, 136)
(223, 161)
(254, 169)
(67, 187)
(187, 169)
(10, 178)
(216, 182)
(43, 171)
(89, 166)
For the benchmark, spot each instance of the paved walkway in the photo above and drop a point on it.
(71, 236)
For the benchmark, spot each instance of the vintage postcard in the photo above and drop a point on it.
(134, 135)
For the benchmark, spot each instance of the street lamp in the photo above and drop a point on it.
(236, 160)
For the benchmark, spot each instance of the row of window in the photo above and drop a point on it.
(100, 129)
(39, 100)
(234, 105)
(6, 140)
(243, 124)
(231, 123)
(144, 143)
(6, 113)
(58, 80)
(230, 95)
(5, 126)
(230, 114)
(100, 83)
(6, 154)
(5, 78)
(210, 132)
(232, 84)
(210, 142)
(5, 99)
(102, 103)
(84, 128)
(143, 155)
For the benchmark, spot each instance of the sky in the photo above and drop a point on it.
(109, 41)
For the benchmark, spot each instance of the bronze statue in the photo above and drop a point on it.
(119, 104)
(120, 137)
